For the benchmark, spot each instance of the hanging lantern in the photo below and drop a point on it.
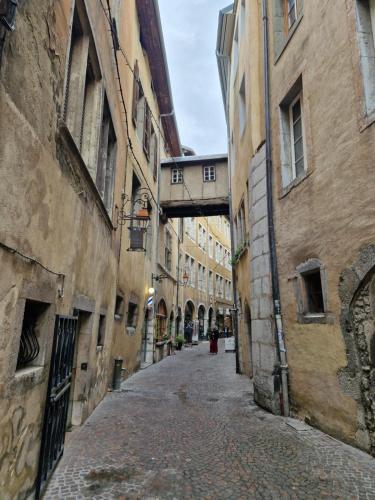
(139, 220)
(8, 10)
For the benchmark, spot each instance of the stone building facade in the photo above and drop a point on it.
(239, 53)
(72, 298)
(321, 114)
(205, 257)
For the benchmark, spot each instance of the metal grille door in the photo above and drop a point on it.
(56, 410)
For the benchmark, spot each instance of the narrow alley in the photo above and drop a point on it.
(188, 428)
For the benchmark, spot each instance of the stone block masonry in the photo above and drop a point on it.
(262, 324)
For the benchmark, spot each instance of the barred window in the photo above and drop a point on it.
(177, 176)
(209, 173)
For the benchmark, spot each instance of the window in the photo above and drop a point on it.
(235, 54)
(295, 116)
(200, 276)
(209, 173)
(191, 228)
(217, 252)
(314, 293)
(210, 247)
(156, 157)
(286, 14)
(204, 278)
(365, 19)
(119, 307)
(243, 17)
(132, 315)
(210, 283)
(107, 158)
(242, 106)
(168, 250)
(101, 331)
(84, 103)
(293, 163)
(136, 92)
(29, 348)
(291, 12)
(147, 130)
(192, 272)
(177, 175)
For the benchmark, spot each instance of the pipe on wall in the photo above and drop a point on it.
(271, 228)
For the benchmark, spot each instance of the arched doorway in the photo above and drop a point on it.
(210, 320)
(189, 320)
(247, 321)
(178, 321)
(161, 320)
(171, 331)
(201, 313)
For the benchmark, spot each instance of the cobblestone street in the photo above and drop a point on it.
(187, 428)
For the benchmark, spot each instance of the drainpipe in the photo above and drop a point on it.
(234, 278)
(271, 228)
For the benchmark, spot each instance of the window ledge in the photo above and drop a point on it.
(288, 38)
(367, 121)
(69, 142)
(99, 348)
(165, 270)
(294, 183)
(316, 318)
(33, 373)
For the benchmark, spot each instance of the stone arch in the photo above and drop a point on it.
(189, 310)
(189, 320)
(357, 294)
(201, 321)
(161, 319)
(179, 320)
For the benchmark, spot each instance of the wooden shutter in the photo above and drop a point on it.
(135, 93)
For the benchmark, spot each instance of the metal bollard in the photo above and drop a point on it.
(117, 374)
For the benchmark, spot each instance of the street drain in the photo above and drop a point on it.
(212, 400)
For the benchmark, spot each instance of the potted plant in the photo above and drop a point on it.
(179, 342)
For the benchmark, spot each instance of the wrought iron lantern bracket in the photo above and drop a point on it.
(135, 212)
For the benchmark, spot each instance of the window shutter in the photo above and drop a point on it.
(135, 93)
(156, 154)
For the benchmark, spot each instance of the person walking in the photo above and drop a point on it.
(214, 340)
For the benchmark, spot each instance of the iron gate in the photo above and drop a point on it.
(56, 409)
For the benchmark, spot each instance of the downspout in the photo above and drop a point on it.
(271, 228)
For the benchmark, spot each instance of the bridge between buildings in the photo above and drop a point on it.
(194, 186)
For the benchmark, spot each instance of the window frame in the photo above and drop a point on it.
(180, 175)
(292, 137)
(208, 168)
(288, 24)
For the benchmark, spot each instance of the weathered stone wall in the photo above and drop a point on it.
(49, 211)
(262, 323)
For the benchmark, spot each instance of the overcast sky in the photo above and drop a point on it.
(190, 29)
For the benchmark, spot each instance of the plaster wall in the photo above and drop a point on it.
(243, 145)
(51, 211)
(328, 215)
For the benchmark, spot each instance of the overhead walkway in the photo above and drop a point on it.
(194, 186)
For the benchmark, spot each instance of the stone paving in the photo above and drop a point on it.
(188, 428)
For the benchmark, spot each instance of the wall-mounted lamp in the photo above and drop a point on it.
(138, 217)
